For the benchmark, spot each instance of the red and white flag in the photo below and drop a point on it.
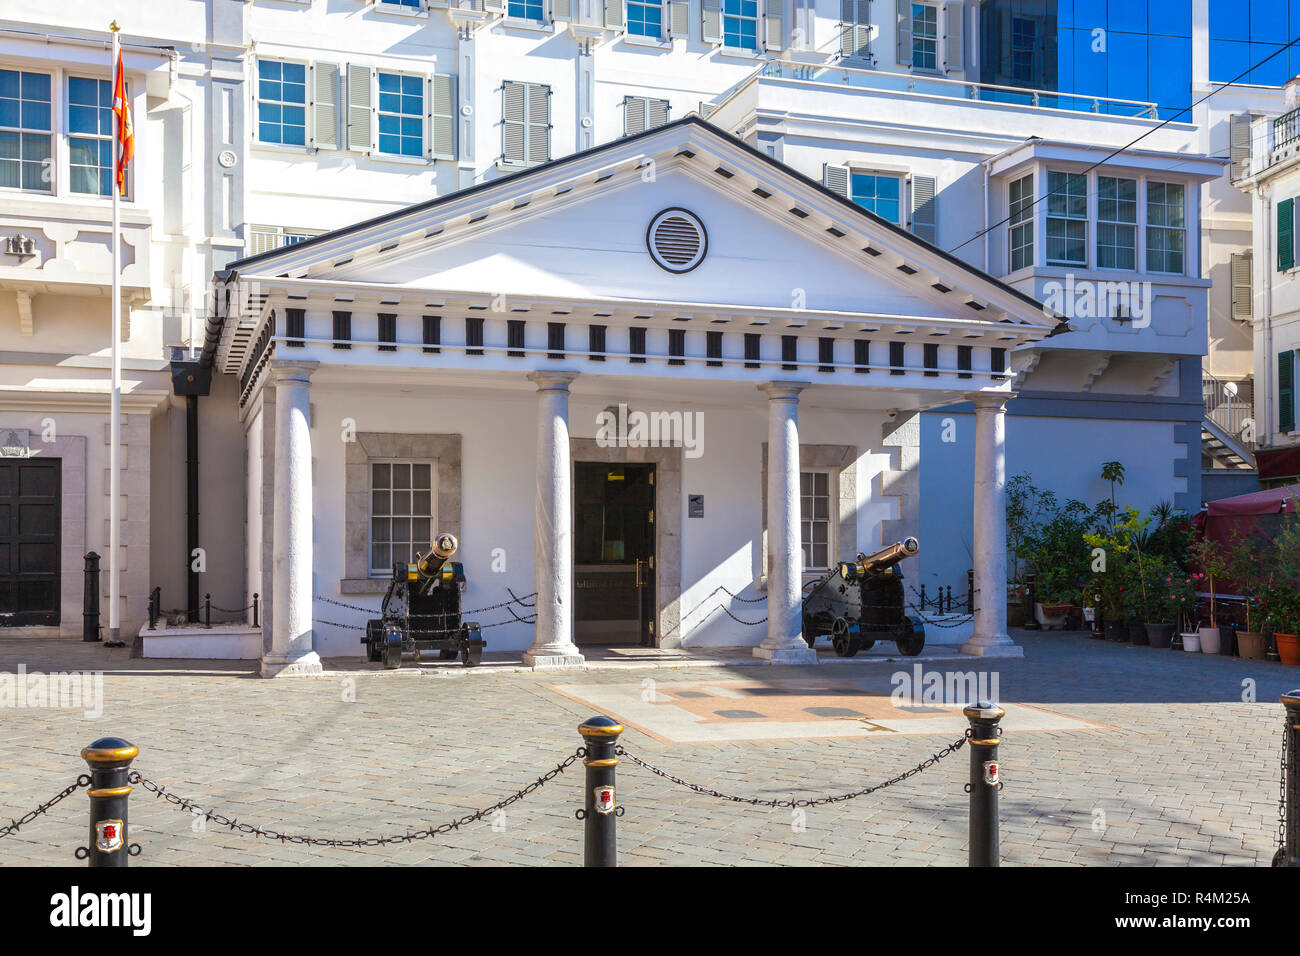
(125, 131)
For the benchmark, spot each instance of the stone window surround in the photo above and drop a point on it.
(444, 449)
(841, 462)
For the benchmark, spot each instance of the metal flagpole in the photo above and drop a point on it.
(115, 426)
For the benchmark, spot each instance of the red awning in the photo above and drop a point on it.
(1275, 463)
(1272, 501)
(1229, 520)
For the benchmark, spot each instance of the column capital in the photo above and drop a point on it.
(558, 381)
(788, 391)
(994, 400)
(292, 370)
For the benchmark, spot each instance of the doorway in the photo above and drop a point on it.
(614, 553)
(30, 522)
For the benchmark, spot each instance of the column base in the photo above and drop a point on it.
(292, 665)
(554, 657)
(992, 647)
(786, 655)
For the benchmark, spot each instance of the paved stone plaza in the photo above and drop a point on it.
(1140, 756)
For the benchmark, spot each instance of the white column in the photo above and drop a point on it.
(553, 527)
(291, 650)
(784, 643)
(990, 634)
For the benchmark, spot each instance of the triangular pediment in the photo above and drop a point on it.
(578, 229)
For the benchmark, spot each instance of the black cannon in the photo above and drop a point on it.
(878, 614)
(421, 612)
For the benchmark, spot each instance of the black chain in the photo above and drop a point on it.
(1281, 798)
(190, 807)
(16, 825)
(812, 802)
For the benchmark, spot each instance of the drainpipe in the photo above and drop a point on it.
(192, 380)
(1268, 323)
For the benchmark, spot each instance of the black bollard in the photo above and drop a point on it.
(985, 781)
(90, 599)
(1289, 854)
(1031, 598)
(600, 737)
(109, 759)
(207, 610)
(970, 591)
(255, 624)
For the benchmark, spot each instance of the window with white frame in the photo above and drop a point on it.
(401, 114)
(282, 102)
(525, 9)
(90, 136)
(1020, 194)
(645, 18)
(925, 36)
(401, 512)
(1067, 218)
(26, 133)
(815, 518)
(1024, 35)
(407, 4)
(1166, 227)
(1116, 223)
(878, 193)
(740, 24)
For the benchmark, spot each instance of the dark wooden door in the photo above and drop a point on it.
(30, 516)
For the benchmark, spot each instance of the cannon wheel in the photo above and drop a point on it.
(374, 638)
(471, 655)
(392, 654)
(914, 640)
(845, 642)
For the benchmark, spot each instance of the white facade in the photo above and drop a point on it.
(489, 92)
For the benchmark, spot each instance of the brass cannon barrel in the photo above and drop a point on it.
(443, 548)
(884, 558)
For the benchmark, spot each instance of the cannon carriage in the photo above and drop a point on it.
(421, 612)
(878, 613)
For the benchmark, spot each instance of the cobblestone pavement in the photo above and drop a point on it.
(1183, 771)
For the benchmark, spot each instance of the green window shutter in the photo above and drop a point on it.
(1285, 235)
(1286, 391)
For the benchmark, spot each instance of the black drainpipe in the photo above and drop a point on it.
(191, 379)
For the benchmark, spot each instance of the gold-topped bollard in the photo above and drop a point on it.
(600, 738)
(985, 781)
(109, 760)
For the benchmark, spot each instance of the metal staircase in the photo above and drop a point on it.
(1228, 425)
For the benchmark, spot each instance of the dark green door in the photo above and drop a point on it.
(29, 541)
(613, 553)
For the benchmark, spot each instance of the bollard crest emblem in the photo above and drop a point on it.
(604, 799)
(108, 836)
(991, 773)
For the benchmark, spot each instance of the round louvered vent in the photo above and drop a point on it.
(677, 240)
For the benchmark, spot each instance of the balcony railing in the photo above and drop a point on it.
(1286, 128)
(957, 89)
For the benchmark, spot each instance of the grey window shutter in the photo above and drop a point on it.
(706, 109)
(774, 25)
(361, 114)
(561, 9)
(711, 21)
(442, 116)
(904, 18)
(263, 239)
(924, 203)
(679, 18)
(855, 28)
(656, 113)
(1239, 144)
(836, 179)
(634, 118)
(539, 124)
(1241, 266)
(613, 14)
(514, 123)
(494, 6)
(325, 105)
(953, 36)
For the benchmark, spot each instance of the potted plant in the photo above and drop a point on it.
(1171, 598)
(1283, 603)
(1250, 564)
(1209, 556)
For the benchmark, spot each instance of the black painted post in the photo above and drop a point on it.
(1098, 618)
(255, 624)
(90, 600)
(207, 610)
(970, 591)
(1031, 598)
(985, 781)
(155, 607)
(600, 737)
(948, 605)
(1289, 854)
(923, 597)
(109, 759)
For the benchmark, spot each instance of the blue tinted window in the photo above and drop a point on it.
(1169, 73)
(1271, 73)
(1170, 17)
(740, 24)
(525, 9)
(1268, 21)
(1228, 58)
(1126, 66)
(401, 114)
(1128, 16)
(282, 102)
(880, 194)
(1229, 20)
(645, 19)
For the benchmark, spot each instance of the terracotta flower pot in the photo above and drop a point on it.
(1288, 647)
(1209, 640)
(1251, 645)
